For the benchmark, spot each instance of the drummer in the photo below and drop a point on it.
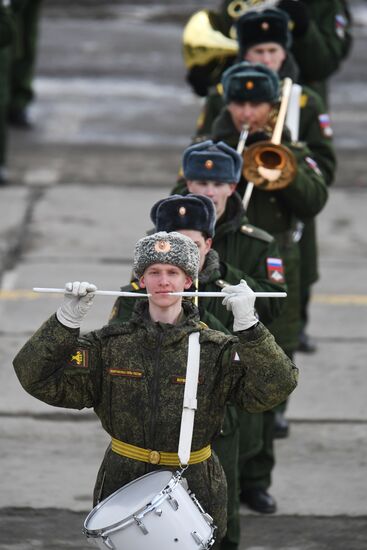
(133, 374)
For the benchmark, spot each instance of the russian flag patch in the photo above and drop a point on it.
(325, 125)
(275, 270)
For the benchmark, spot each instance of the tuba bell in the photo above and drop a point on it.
(268, 164)
(236, 8)
(202, 43)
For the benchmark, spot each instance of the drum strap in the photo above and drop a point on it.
(293, 111)
(190, 401)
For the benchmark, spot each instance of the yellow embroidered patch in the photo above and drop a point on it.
(303, 100)
(79, 359)
(182, 379)
(126, 373)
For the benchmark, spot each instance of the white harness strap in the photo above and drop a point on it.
(190, 401)
(293, 111)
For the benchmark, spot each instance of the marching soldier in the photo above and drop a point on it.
(251, 92)
(264, 37)
(321, 31)
(195, 217)
(132, 374)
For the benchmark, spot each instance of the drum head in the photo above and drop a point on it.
(127, 501)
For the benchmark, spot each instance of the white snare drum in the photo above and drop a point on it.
(153, 511)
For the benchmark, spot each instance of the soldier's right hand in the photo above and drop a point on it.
(78, 299)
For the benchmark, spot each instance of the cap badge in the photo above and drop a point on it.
(249, 85)
(265, 26)
(162, 246)
(209, 164)
(182, 210)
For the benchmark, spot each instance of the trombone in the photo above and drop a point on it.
(268, 164)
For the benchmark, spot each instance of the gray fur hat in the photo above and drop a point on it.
(167, 248)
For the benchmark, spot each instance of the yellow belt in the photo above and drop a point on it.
(157, 457)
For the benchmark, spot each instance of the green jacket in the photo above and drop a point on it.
(326, 43)
(7, 27)
(277, 213)
(132, 375)
(313, 130)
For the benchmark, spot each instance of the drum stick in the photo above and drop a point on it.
(140, 295)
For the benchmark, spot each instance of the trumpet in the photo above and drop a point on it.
(268, 164)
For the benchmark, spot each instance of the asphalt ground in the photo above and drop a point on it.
(112, 115)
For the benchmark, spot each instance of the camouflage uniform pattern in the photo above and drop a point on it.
(130, 375)
(249, 249)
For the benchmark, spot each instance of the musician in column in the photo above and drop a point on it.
(252, 97)
(132, 375)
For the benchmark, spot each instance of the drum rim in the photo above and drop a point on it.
(128, 519)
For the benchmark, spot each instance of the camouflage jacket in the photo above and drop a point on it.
(133, 376)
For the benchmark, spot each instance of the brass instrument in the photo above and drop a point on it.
(202, 43)
(236, 8)
(268, 164)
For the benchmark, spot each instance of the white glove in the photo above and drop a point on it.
(240, 299)
(78, 299)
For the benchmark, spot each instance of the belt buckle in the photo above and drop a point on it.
(154, 457)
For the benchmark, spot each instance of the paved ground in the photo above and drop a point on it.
(110, 129)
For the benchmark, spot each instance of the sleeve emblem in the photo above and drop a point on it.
(325, 125)
(313, 165)
(275, 270)
(79, 359)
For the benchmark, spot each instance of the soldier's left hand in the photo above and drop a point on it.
(240, 299)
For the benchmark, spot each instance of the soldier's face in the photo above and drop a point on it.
(159, 279)
(248, 112)
(201, 242)
(269, 54)
(216, 191)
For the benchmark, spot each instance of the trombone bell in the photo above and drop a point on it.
(203, 44)
(269, 166)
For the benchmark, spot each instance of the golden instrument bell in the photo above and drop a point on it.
(202, 43)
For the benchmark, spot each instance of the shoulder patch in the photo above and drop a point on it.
(313, 165)
(256, 233)
(219, 88)
(275, 270)
(325, 125)
(79, 359)
(303, 100)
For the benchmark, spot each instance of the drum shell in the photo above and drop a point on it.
(168, 519)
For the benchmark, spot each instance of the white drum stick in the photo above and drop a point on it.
(140, 295)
